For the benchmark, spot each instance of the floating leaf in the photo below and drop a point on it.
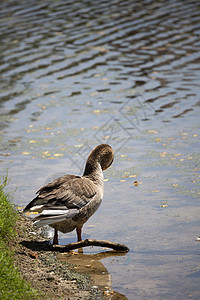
(153, 131)
(97, 111)
(125, 176)
(46, 152)
(58, 154)
(32, 142)
(170, 139)
(164, 205)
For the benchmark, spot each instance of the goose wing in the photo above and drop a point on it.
(61, 199)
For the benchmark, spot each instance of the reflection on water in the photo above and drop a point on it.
(90, 264)
(77, 73)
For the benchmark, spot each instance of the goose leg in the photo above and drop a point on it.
(55, 238)
(78, 231)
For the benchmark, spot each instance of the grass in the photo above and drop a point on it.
(12, 285)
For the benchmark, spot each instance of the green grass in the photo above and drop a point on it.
(12, 285)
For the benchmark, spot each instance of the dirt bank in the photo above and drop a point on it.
(39, 265)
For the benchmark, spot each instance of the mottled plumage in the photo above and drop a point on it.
(69, 201)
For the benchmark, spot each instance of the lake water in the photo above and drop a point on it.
(74, 74)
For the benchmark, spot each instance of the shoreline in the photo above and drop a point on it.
(30, 268)
(39, 266)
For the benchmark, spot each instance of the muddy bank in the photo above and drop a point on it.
(39, 265)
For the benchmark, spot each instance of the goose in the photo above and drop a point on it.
(69, 201)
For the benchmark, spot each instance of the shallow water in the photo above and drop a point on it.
(75, 74)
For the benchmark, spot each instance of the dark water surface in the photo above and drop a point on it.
(77, 73)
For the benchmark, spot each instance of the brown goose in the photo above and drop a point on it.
(69, 201)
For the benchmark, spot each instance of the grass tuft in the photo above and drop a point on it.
(8, 213)
(12, 285)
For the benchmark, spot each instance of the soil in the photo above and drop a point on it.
(38, 264)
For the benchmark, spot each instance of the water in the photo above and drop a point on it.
(78, 73)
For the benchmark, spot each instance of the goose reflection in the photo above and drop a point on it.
(91, 264)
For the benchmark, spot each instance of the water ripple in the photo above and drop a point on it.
(153, 46)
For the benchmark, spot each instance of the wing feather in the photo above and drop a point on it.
(69, 191)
